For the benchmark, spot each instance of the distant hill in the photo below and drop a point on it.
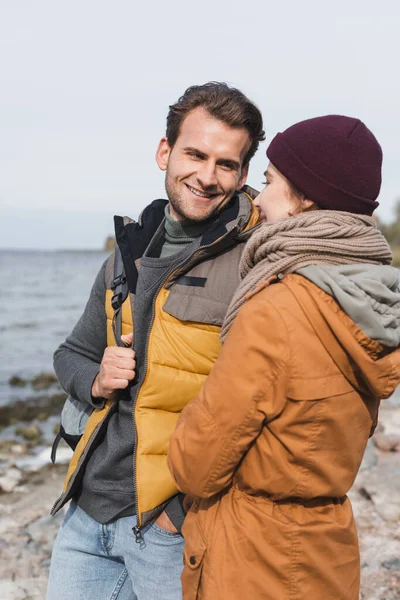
(109, 244)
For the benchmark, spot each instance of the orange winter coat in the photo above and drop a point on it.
(271, 445)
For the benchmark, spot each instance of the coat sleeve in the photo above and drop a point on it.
(77, 360)
(245, 388)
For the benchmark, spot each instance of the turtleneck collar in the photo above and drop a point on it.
(182, 231)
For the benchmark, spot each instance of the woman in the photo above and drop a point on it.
(270, 447)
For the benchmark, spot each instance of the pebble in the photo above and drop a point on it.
(392, 565)
(36, 462)
(370, 458)
(387, 442)
(382, 485)
(27, 531)
(10, 480)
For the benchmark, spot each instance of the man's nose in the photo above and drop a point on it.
(207, 175)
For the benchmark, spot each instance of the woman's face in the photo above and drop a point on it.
(277, 201)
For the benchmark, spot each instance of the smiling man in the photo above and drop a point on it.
(120, 537)
(205, 165)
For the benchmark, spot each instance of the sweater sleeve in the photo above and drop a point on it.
(77, 360)
(245, 388)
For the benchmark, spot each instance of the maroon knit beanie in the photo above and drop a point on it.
(334, 160)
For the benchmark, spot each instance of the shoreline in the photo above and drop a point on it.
(27, 530)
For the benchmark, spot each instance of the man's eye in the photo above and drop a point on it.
(227, 166)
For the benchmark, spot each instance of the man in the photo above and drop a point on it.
(120, 538)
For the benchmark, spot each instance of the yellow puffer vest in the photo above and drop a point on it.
(182, 346)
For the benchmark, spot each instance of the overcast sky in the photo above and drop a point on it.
(85, 87)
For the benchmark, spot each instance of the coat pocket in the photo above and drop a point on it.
(193, 558)
(318, 388)
(190, 307)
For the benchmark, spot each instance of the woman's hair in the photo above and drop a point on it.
(295, 191)
(299, 196)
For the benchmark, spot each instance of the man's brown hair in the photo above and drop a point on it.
(222, 102)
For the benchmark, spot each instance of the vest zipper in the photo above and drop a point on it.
(137, 530)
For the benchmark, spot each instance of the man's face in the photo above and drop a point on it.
(205, 166)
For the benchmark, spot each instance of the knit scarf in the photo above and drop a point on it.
(321, 237)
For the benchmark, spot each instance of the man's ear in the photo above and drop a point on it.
(243, 177)
(162, 154)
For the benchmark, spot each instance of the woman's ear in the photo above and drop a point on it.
(307, 204)
(162, 154)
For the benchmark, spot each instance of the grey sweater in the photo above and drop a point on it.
(107, 490)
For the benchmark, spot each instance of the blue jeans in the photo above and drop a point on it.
(92, 561)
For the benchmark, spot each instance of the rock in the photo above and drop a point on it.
(370, 459)
(16, 381)
(394, 400)
(27, 533)
(6, 524)
(33, 464)
(6, 446)
(14, 590)
(31, 433)
(44, 530)
(382, 485)
(10, 480)
(30, 408)
(387, 442)
(392, 565)
(42, 416)
(18, 449)
(45, 563)
(28, 588)
(43, 381)
(3, 545)
(21, 489)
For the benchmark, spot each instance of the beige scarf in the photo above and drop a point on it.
(326, 237)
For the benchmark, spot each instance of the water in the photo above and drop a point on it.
(42, 296)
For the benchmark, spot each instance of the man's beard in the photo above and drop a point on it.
(178, 205)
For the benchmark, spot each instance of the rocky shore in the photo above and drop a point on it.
(29, 484)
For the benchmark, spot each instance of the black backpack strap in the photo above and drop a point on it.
(72, 441)
(54, 447)
(120, 288)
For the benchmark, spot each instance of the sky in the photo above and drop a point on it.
(85, 88)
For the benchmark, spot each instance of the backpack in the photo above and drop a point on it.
(75, 413)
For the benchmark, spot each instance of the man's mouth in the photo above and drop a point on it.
(200, 193)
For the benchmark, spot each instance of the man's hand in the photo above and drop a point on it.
(165, 522)
(117, 369)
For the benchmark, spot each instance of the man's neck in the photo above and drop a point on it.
(179, 234)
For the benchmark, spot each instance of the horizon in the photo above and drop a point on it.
(81, 121)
